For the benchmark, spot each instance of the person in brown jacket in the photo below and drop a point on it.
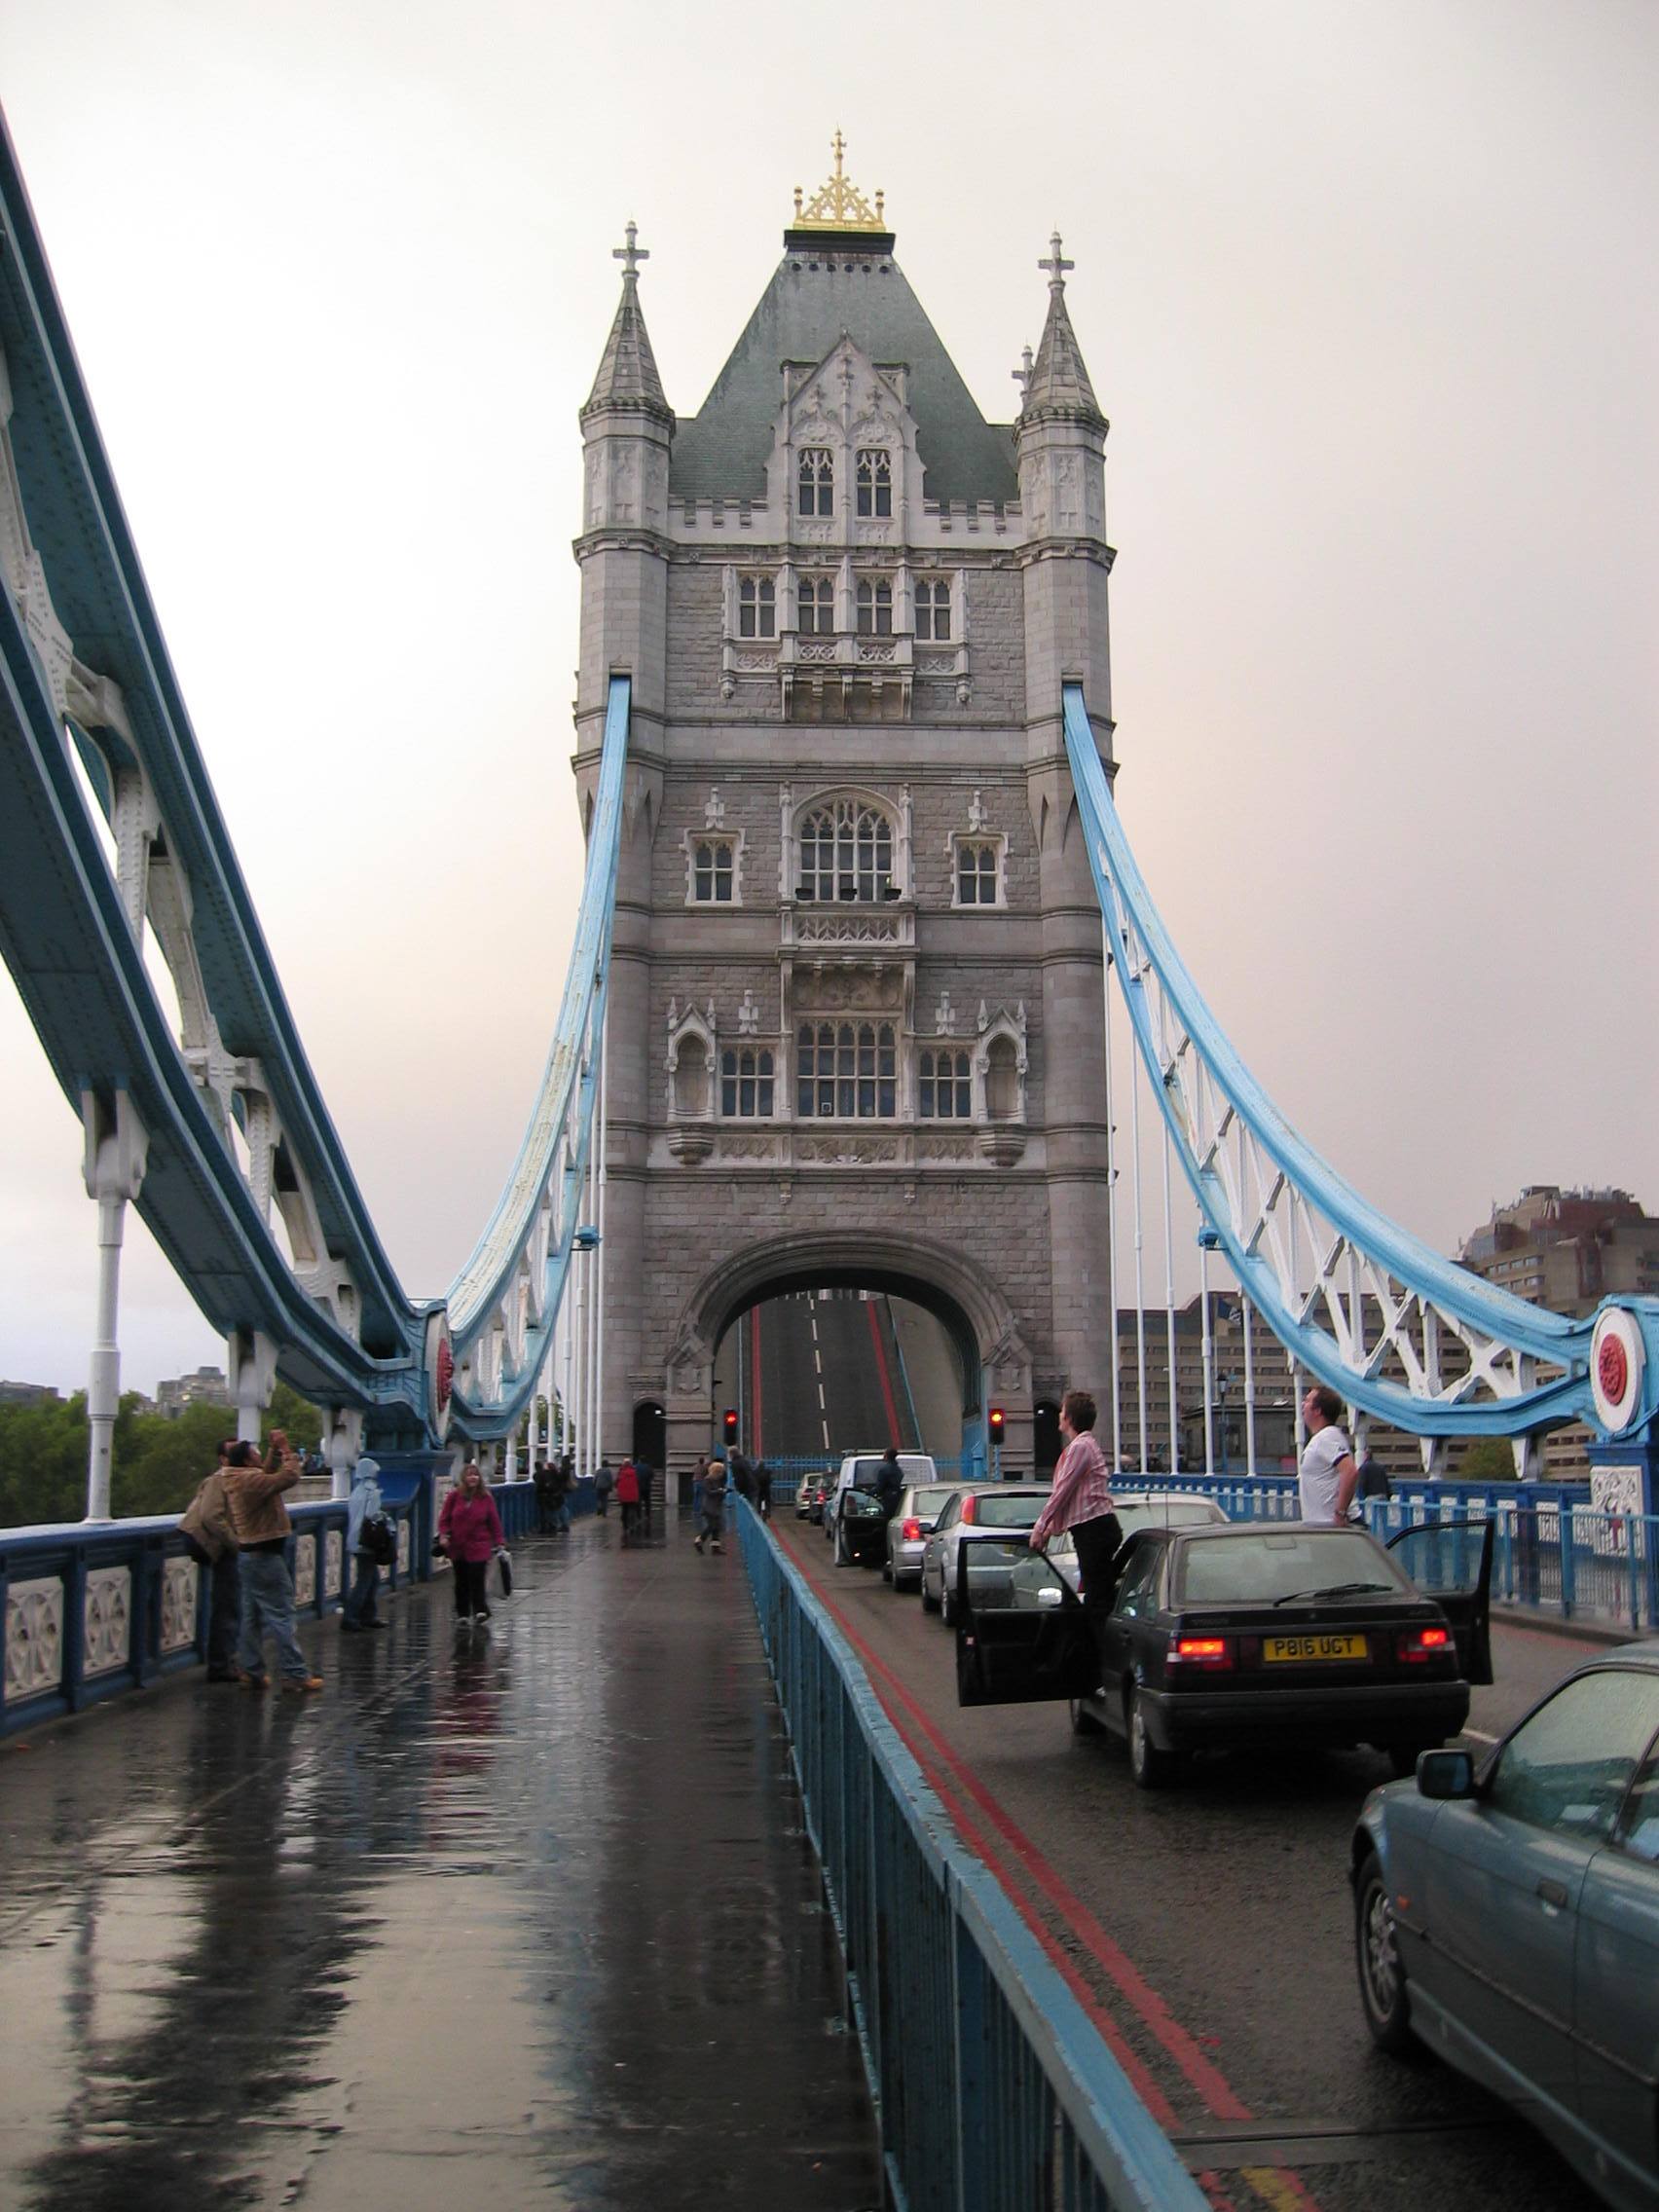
(212, 1542)
(260, 1521)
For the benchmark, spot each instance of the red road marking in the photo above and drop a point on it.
(1205, 2078)
(893, 1435)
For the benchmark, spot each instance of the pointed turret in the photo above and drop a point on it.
(1058, 380)
(627, 369)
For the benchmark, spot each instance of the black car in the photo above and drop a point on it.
(1265, 1632)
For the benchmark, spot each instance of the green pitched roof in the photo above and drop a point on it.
(817, 293)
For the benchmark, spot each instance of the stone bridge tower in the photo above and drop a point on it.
(856, 1017)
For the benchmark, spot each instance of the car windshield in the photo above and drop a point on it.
(867, 1474)
(1273, 1565)
(929, 1504)
(993, 1512)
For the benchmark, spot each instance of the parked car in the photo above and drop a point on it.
(810, 1492)
(1509, 1918)
(1165, 1509)
(861, 1470)
(979, 1512)
(909, 1528)
(861, 1530)
(1265, 1632)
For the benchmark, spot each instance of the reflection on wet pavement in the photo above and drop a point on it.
(526, 1915)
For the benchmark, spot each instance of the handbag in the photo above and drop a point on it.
(504, 1559)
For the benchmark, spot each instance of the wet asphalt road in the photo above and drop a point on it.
(517, 1918)
(1208, 1929)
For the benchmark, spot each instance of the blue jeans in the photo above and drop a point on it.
(268, 1610)
(360, 1607)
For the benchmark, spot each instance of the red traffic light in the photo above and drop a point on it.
(998, 1422)
(731, 1424)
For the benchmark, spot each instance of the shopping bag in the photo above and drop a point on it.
(506, 1562)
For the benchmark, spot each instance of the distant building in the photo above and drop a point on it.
(1270, 1386)
(29, 1394)
(208, 1386)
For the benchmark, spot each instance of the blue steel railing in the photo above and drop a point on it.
(993, 2091)
(1552, 1552)
(93, 1609)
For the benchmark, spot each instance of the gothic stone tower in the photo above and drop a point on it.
(856, 1016)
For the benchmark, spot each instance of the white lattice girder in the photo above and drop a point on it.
(1349, 1294)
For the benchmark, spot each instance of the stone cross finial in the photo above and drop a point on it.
(1055, 267)
(1022, 375)
(631, 255)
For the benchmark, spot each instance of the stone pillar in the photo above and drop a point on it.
(250, 1362)
(113, 1163)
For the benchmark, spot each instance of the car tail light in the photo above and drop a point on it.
(969, 1513)
(1416, 1645)
(911, 1532)
(1202, 1651)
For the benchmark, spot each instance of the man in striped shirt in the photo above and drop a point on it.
(1082, 1500)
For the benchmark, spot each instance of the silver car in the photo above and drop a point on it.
(978, 1513)
(911, 1527)
(1510, 1920)
(1146, 1509)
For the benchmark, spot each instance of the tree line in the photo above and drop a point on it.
(157, 1460)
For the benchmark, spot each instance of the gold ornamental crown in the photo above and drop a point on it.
(839, 204)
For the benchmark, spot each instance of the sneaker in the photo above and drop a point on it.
(253, 1682)
(301, 1684)
(483, 1613)
(376, 1624)
(716, 1545)
(349, 1628)
(697, 1543)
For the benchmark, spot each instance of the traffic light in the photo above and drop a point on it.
(997, 1422)
(731, 1426)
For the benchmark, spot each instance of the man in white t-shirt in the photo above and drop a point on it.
(1327, 1478)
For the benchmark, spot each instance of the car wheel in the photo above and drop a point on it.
(1152, 1768)
(887, 1571)
(929, 1604)
(841, 1550)
(1402, 1757)
(1082, 1721)
(1382, 1976)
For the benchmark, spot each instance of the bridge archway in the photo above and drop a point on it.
(981, 1325)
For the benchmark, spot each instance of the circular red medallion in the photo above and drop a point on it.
(1612, 1369)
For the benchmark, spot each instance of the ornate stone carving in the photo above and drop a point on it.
(749, 1017)
(34, 1637)
(334, 1564)
(945, 1016)
(691, 1141)
(748, 1148)
(403, 1549)
(305, 1570)
(847, 929)
(976, 816)
(178, 1603)
(107, 1619)
(933, 1147)
(848, 1151)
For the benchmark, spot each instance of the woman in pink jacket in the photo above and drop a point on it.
(469, 1530)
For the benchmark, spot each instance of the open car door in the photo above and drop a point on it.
(1022, 1633)
(1451, 1562)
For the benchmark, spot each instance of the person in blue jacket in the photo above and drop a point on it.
(359, 1610)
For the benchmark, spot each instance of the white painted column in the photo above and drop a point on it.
(115, 1154)
(250, 1362)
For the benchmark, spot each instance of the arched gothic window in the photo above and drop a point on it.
(875, 481)
(711, 870)
(816, 600)
(846, 852)
(933, 611)
(846, 1071)
(747, 1085)
(756, 607)
(875, 610)
(816, 480)
(692, 1080)
(1002, 1079)
(944, 1092)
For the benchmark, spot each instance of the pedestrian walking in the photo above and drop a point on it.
(603, 1483)
(367, 1535)
(1374, 1478)
(254, 1493)
(888, 1482)
(699, 1476)
(648, 1475)
(470, 1529)
(559, 1486)
(712, 1524)
(628, 1496)
(1080, 1501)
(762, 1489)
(1327, 1478)
(212, 1542)
(547, 1506)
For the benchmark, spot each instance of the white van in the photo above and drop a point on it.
(859, 1470)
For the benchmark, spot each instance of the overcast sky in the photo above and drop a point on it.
(1367, 292)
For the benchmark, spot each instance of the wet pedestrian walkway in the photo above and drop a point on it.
(519, 1917)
